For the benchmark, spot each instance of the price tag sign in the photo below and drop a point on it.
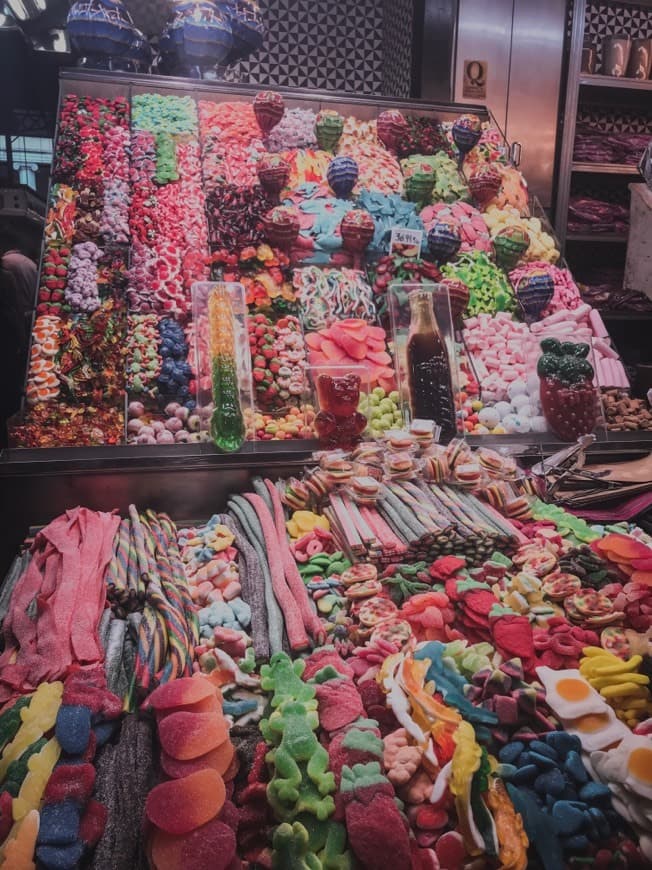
(406, 243)
(474, 86)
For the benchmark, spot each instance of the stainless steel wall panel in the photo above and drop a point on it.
(534, 83)
(484, 32)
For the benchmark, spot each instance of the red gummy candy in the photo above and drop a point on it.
(339, 704)
(213, 845)
(450, 851)
(180, 694)
(165, 851)
(376, 830)
(86, 687)
(70, 781)
(219, 759)
(93, 822)
(6, 818)
(186, 735)
(181, 805)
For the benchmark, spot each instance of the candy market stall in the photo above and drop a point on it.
(301, 201)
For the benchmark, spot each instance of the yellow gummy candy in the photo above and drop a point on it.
(39, 717)
(305, 520)
(465, 762)
(39, 771)
(293, 529)
(322, 523)
(19, 852)
(620, 690)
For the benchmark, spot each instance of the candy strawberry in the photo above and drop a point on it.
(568, 396)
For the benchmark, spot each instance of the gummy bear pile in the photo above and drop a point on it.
(294, 211)
(405, 651)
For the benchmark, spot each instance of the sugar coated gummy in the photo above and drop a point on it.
(186, 735)
(181, 805)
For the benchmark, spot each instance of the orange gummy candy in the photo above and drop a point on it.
(165, 851)
(181, 805)
(218, 759)
(186, 735)
(181, 693)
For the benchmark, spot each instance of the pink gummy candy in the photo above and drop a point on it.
(186, 735)
(450, 851)
(181, 805)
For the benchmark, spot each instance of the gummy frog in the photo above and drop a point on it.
(39, 717)
(39, 767)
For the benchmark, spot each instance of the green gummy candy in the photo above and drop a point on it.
(17, 770)
(364, 741)
(361, 776)
(291, 849)
(498, 558)
(282, 676)
(10, 720)
(327, 673)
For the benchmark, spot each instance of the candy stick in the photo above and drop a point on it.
(400, 528)
(311, 621)
(180, 579)
(291, 612)
(346, 524)
(365, 532)
(383, 532)
(404, 511)
(180, 655)
(417, 506)
(252, 581)
(139, 542)
(260, 488)
(247, 518)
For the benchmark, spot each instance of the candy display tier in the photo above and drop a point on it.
(156, 186)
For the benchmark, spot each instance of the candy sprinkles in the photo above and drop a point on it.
(419, 659)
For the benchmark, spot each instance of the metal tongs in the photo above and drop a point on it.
(568, 463)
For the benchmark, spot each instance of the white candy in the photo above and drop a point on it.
(503, 408)
(489, 417)
(516, 388)
(513, 423)
(519, 401)
(539, 424)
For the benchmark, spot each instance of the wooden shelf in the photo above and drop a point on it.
(620, 82)
(606, 168)
(597, 237)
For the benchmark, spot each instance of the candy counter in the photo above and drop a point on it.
(327, 669)
(300, 200)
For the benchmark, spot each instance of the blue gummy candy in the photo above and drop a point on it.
(510, 752)
(568, 817)
(577, 843)
(60, 857)
(238, 708)
(542, 761)
(594, 791)
(103, 732)
(601, 822)
(59, 824)
(542, 748)
(73, 728)
(550, 800)
(523, 759)
(551, 782)
(563, 742)
(506, 771)
(573, 765)
(525, 774)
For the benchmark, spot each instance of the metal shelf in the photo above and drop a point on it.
(606, 168)
(620, 82)
(613, 238)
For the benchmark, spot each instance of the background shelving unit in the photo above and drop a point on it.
(612, 105)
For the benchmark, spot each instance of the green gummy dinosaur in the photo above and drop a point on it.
(291, 850)
(361, 776)
(282, 676)
(301, 781)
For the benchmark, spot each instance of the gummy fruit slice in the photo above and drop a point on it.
(219, 759)
(181, 805)
(186, 735)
